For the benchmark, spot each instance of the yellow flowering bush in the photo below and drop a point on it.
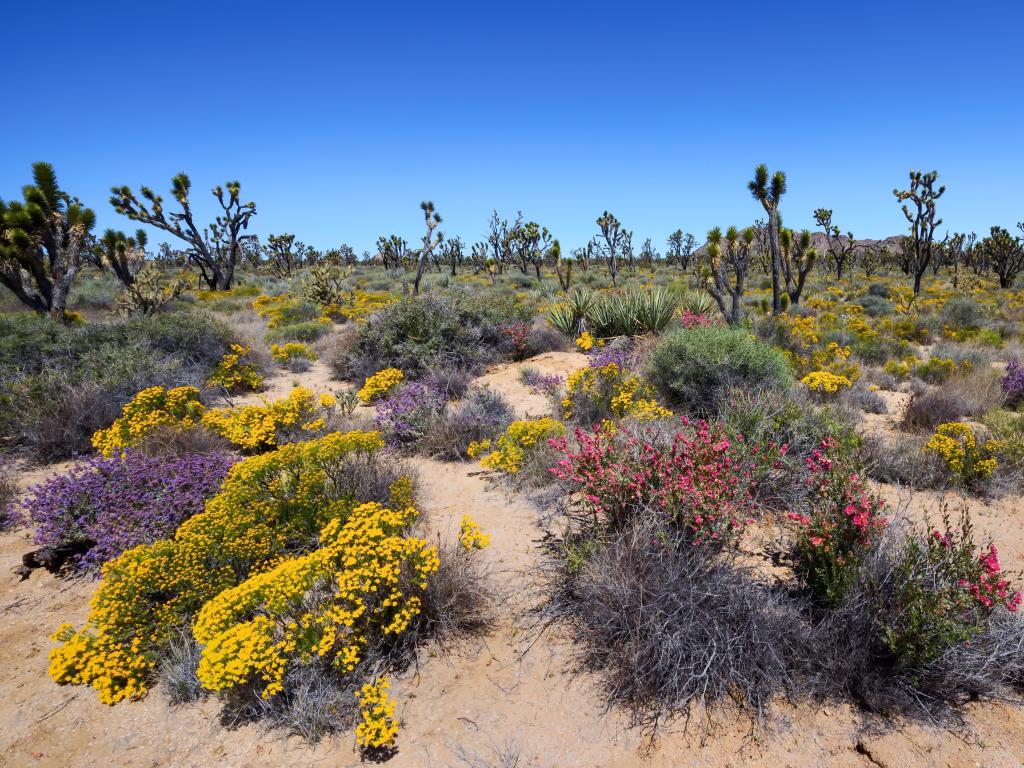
(610, 389)
(378, 727)
(512, 446)
(824, 382)
(151, 408)
(957, 445)
(260, 427)
(470, 535)
(380, 384)
(585, 342)
(267, 504)
(367, 566)
(292, 350)
(235, 375)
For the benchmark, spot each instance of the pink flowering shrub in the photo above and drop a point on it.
(944, 591)
(701, 480)
(690, 319)
(843, 521)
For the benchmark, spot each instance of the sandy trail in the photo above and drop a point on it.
(513, 690)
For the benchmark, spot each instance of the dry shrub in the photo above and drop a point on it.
(671, 625)
(8, 494)
(168, 441)
(931, 406)
(901, 459)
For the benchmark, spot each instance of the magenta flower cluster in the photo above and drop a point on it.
(121, 502)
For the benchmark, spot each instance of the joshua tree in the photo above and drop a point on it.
(920, 246)
(393, 251)
(529, 244)
(872, 257)
(840, 251)
(680, 249)
(43, 242)
(563, 269)
(585, 255)
(451, 253)
(216, 249)
(285, 255)
(432, 219)
(614, 240)
(480, 258)
(1005, 253)
(627, 249)
(648, 254)
(123, 254)
(797, 261)
(958, 251)
(769, 193)
(728, 259)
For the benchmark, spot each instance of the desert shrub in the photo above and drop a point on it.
(541, 383)
(114, 504)
(512, 447)
(284, 310)
(173, 441)
(294, 356)
(305, 332)
(295, 589)
(253, 428)
(260, 513)
(380, 384)
(408, 412)
(936, 370)
(235, 372)
(825, 385)
(842, 522)
(787, 417)
(931, 406)
(961, 313)
(1007, 429)
(902, 459)
(593, 394)
(8, 494)
(1012, 383)
(697, 367)
(671, 626)
(944, 590)
(697, 479)
(419, 334)
(179, 408)
(868, 400)
(967, 462)
(876, 306)
(541, 339)
(480, 417)
(60, 384)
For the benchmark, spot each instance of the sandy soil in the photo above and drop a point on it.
(527, 403)
(514, 690)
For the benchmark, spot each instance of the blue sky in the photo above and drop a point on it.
(339, 118)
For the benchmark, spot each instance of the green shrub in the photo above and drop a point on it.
(697, 367)
(417, 334)
(59, 384)
(305, 332)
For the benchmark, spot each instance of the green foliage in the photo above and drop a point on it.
(697, 367)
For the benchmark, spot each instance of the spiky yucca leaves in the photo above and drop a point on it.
(570, 316)
(42, 243)
(696, 303)
(124, 254)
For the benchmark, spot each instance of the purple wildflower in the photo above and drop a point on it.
(1013, 383)
(122, 502)
(405, 415)
(540, 383)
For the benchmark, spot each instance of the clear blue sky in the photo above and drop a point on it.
(339, 118)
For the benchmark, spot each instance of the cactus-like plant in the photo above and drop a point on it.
(728, 260)
(920, 246)
(43, 242)
(769, 193)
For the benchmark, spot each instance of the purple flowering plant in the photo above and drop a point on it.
(1013, 383)
(406, 414)
(121, 502)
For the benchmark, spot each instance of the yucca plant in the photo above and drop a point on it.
(572, 315)
(697, 303)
